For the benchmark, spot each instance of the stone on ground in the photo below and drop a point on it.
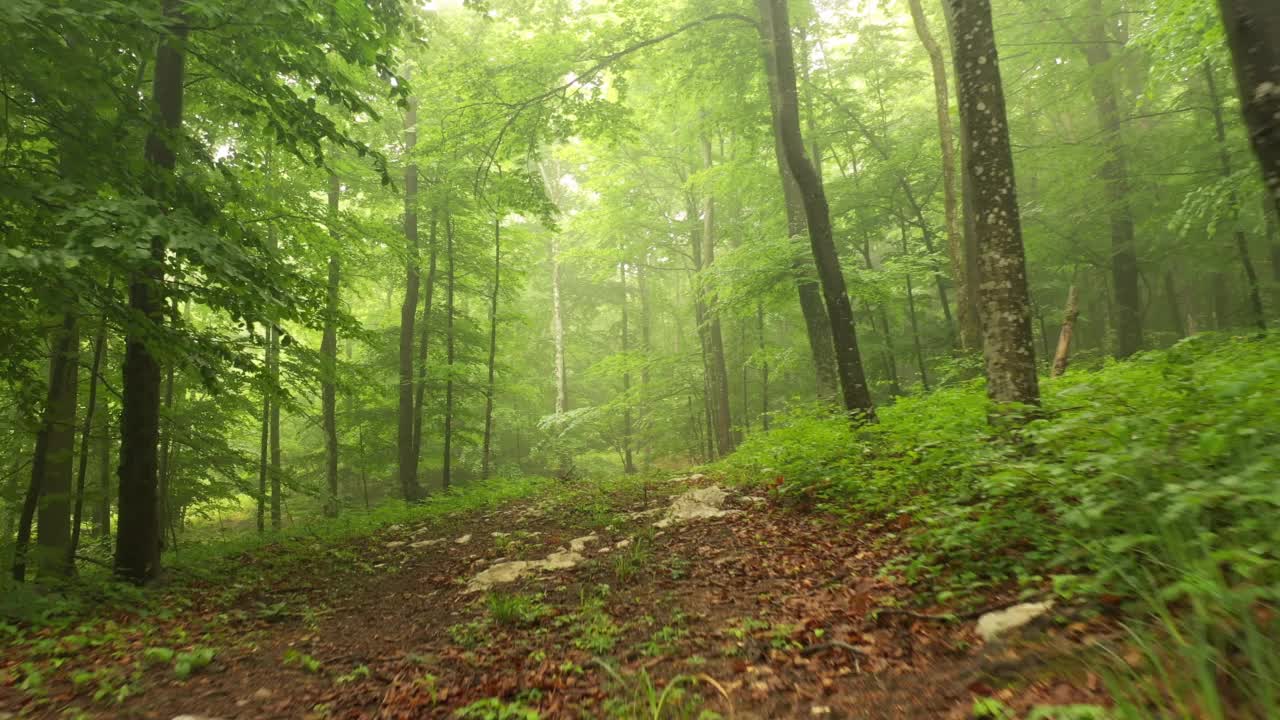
(696, 504)
(464, 539)
(994, 624)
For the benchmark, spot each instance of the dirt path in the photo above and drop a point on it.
(762, 613)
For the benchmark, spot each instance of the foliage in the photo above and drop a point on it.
(1175, 441)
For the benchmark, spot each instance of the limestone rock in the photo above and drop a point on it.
(695, 504)
(395, 544)
(579, 544)
(994, 624)
(463, 540)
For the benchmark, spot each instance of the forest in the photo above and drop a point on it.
(630, 359)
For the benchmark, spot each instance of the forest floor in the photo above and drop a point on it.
(764, 612)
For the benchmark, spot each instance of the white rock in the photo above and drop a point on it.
(499, 534)
(426, 543)
(694, 504)
(994, 624)
(395, 544)
(498, 574)
(623, 543)
(579, 544)
(463, 540)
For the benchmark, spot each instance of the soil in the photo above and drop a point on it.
(764, 613)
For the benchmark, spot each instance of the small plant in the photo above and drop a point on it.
(513, 609)
(361, 672)
(186, 663)
(638, 696)
(294, 658)
(496, 709)
(662, 641)
(469, 635)
(595, 630)
(633, 559)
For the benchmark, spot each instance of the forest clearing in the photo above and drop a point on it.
(663, 359)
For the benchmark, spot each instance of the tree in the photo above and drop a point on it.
(138, 532)
(329, 357)
(407, 449)
(1004, 306)
(853, 383)
(1253, 37)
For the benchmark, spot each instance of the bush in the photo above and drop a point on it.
(1185, 441)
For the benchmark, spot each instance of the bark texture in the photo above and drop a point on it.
(329, 359)
(853, 383)
(1062, 355)
(406, 450)
(1253, 36)
(1008, 345)
(138, 532)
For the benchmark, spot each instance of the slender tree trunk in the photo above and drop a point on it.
(61, 363)
(557, 329)
(715, 338)
(966, 313)
(277, 470)
(1253, 36)
(853, 383)
(888, 356)
(138, 531)
(1063, 353)
(487, 452)
(102, 511)
(628, 466)
(817, 325)
(764, 369)
(1242, 243)
(1175, 307)
(166, 446)
(407, 450)
(1115, 177)
(1273, 243)
(53, 520)
(915, 325)
(646, 324)
(1008, 346)
(329, 359)
(447, 471)
(86, 444)
(424, 341)
(264, 445)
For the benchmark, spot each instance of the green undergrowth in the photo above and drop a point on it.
(1155, 480)
(248, 560)
(1183, 442)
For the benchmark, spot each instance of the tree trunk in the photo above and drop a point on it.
(424, 342)
(61, 363)
(1114, 174)
(1063, 353)
(915, 325)
(628, 466)
(817, 325)
(719, 378)
(86, 444)
(165, 468)
(1175, 307)
(764, 369)
(406, 449)
(329, 360)
(853, 383)
(557, 329)
(646, 322)
(1005, 310)
(447, 469)
(1253, 36)
(487, 451)
(887, 356)
(966, 312)
(264, 445)
(1273, 243)
(1241, 242)
(102, 509)
(138, 532)
(53, 519)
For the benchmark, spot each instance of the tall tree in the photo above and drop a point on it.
(446, 473)
(817, 324)
(1253, 36)
(984, 128)
(966, 309)
(424, 331)
(719, 374)
(1241, 242)
(853, 383)
(329, 357)
(405, 441)
(91, 411)
(628, 466)
(487, 449)
(138, 532)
